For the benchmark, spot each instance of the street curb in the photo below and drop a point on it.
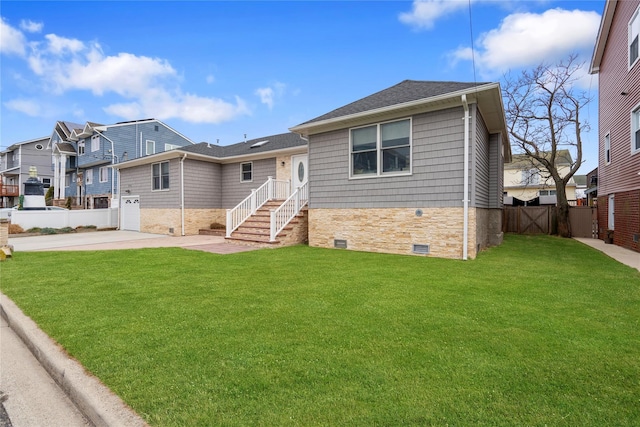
(96, 402)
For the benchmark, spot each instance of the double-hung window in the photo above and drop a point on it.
(634, 35)
(246, 172)
(160, 172)
(81, 147)
(95, 143)
(635, 130)
(530, 177)
(103, 174)
(88, 176)
(381, 149)
(150, 147)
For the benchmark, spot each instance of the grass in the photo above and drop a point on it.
(538, 331)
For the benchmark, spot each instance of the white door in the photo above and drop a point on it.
(300, 170)
(130, 213)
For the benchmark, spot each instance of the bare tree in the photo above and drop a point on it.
(542, 108)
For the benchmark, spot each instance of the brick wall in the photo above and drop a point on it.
(626, 217)
(159, 221)
(394, 230)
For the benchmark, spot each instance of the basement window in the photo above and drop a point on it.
(421, 249)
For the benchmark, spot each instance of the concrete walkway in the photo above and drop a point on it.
(620, 254)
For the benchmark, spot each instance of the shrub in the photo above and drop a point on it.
(48, 198)
(67, 230)
(216, 226)
(15, 229)
(34, 230)
(48, 230)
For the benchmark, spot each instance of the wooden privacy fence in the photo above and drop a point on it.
(528, 219)
(543, 220)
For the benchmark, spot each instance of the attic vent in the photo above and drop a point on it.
(260, 143)
(39, 146)
(421, 249)
(340, 244)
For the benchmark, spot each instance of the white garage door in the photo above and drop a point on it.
(130, 213)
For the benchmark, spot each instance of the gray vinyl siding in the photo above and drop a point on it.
(480, 172)
(139, 182)
(202, 185)
(437, 169)
(131, 138)
(234, 191)
(496, 166)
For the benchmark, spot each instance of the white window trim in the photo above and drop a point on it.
(104, 170)
(168, 147)
(146, 147)
(160, 170)
(635, 15)
(379, 173)
(242, 172)
(95, 143)
(635, 114)
(88, 176)
(607, 148)
(81, 147)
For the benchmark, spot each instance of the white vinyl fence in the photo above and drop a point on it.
(100, 218)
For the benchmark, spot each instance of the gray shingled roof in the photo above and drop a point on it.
(405, 91)
(275, 142)
(66, 147)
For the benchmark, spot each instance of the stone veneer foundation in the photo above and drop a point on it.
(394, 230)
(160, 221)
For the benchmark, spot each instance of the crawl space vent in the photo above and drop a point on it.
(340, 244)
(421, 249)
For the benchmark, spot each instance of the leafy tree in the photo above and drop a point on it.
(542, 108)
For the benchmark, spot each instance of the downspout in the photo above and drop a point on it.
(465, 200)
(182, 191)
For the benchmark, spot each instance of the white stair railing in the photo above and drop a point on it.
(288, 210)
(272, 189)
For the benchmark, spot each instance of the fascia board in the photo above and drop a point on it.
(603, 35)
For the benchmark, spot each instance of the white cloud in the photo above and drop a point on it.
(31, 27)
(12, 41)
(268, 95)
(25, 106)
(149, 87)
(525, 39)
(426, 12)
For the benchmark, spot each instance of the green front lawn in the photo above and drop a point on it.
(538, 331)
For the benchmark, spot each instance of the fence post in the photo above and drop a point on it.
(270, 188)
(229, 225)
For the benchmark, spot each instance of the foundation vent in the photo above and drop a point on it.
(340, 244)
(421, 249)
(636, 238)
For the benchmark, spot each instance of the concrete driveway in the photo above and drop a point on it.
(109, 240)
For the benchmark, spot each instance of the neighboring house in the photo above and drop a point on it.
(15, 163)
(616, 60)
(592, 188)
(83, 156)
(413, 169)
(189, 188)
(527, 185)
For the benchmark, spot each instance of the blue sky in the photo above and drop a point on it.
(215, 71)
